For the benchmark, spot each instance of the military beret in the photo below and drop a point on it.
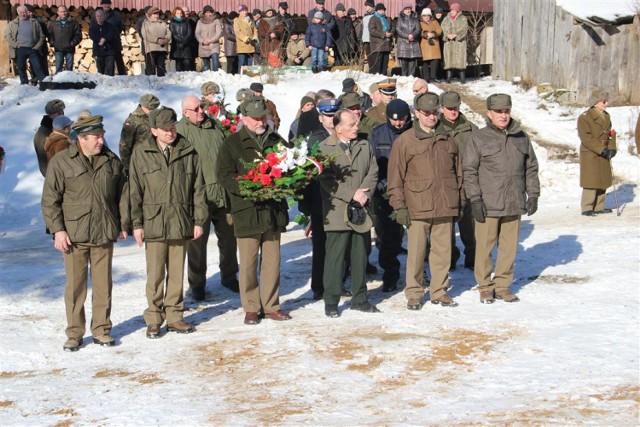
(328, 107)
(256, 87)
(284, 5)
(340, 6)
(498, 101)
(398, 109)
(305, 100)
(349, 99)
(254, 107)
(243, 94)
(450, 99)
(61, 122)
(162, 117)
(91, 125)
(387, 86)
(54, 106)
(597, 95)
(426, 101)
(209, 87)
(149, 101)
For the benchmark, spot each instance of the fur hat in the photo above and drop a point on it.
(209, 87)
(54, 106)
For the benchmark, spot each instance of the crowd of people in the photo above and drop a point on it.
(425, 41)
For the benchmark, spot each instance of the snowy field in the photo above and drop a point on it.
(568, 353)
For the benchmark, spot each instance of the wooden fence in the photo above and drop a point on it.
(541, 42)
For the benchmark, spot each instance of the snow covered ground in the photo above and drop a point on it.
(568, 353)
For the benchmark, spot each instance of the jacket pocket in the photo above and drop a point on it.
(419, 195)
(185, 219)
(153, 221)
(494, 196)
(452, 192)
(77, 222)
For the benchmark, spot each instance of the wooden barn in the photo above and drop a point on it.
(571, 45)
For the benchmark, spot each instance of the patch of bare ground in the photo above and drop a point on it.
(110, 373)
(561, 278)
(66, 411)
(65, 423)
(5, 403)
(628, 392)
(21, 374)
(142, 378)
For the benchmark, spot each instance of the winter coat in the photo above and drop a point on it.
(207, 138)
(267, 26)
(378, 113)
(328, 17)
(249, 218)
(428, 51)
(500, 167)
(82, 199)
(64, 38)
(344, 36)
(357, 28)
(182, 39)
(156, 36)
(167, 201)
(365, 37)
(318, 36)
(378, 42)
(114, 18)
(107, 32)
(340, 181)
(11, 35)
(460, 131)
(230, 48)
(455, 51)
(593, 130)
(45, 129)
(246, 35)
(297, 48)
(381, 140)
(135, 130)
(311, 202)
(208, 30)
(405, 26)
(425, 174)
(56, 142)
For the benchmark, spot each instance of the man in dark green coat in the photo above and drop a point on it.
(207, 137)
(257, 225)
(135, 129)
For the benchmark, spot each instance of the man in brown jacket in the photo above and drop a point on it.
(81, 207)
(501, 181)
(52, 109)
(424, 183)
(597, 148)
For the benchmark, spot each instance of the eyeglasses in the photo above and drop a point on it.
(429, 113)
(417, 90)
(196, 109)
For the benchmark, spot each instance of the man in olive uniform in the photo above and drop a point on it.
(80, 205)
(212, 100)
(424, 183)
(52, 109)
(258, 225)
(207, 137)
(168, 208)
(455, 124)
(135, 129)
(501, 181)
(388, 92)
(272, 114)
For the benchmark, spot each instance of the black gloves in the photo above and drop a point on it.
(608, 153)
(532, 205)
(478, 210)
(402, 217)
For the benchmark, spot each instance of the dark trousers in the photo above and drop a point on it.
(183, 64)
(64, 58)
(105, 64)
(232, 65)
(318, 241)
(390, 235)
(337, 245)
(378, 62)
(119, 61)
(408, 66)
(155, 63)
(430, 69)
(24, 53)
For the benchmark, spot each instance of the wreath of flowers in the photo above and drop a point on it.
(229, 123)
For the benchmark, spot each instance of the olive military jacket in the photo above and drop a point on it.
(460, 131)
(249, 218)
(593, 130)
(501, 168)
(84, 199)
(135, 130)
(167, 200)
(425, 174)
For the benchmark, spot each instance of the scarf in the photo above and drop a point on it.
(385, 22)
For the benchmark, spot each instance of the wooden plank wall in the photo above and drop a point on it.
(5, 18)
(539, 41)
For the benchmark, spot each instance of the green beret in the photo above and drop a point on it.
(426, 101)
(450, 99)
(54, 106)
(149, 101)
(162, 117)
(349, 99)
(498, 101)
(254, 107)
(209, 87)
(91, 125)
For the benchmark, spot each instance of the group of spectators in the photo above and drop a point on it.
(422, 45)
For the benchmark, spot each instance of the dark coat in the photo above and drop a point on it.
(64, 38)
(249, 217)
(381, 140)
(344, 36)
(378, 42)
(45, 129)
(318, 36)
(107, 32)
(593, 129)
(328, 17)
(230, 48)
(405, 26)
(182, 40)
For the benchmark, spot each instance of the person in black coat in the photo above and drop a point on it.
(181, 41)
(64, 35)
(344, 35)
(103, 36)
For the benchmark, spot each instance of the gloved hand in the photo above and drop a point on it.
(608, 153)
(402, 217)
(478, 210)
(532, 205)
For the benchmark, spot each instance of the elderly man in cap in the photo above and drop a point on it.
(24, 35)
(297, 51)
(206, 135)
(388, 231)
(424, 184)
(328, 17)
(135, 129)
(80, 206)
(346, 188)
(388, 92)
(166, 164)
(212, 100)
(258, 225)
(453, 123)
(501, 181)
(597, 148)
(52, 109)
(353, 102)
(257, 89)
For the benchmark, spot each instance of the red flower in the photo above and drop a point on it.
(266, 180)
(256, 178)
(237, 119)
(214, 110)
(612, 132)
(250, 174)
(226, 122)
(276, 172)
(272, 158)
(233, 128)
(263, 167)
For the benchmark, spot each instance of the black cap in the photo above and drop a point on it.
(351, 11)
(284, 5)
(256, 87)
(369, 3)
(380, 6)
(348, 84)
(398, 109)
(256, 12)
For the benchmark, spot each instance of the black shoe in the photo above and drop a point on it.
(344, 292)
(318, 295)
(603, 211)
(232, 285)
(365, 307)
(389, 287)
(331, 311)
(589, 213)
(198, 294)
(371, 269)
(470, 265)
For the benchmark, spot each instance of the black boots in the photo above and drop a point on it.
(462, 79)
(449, 76)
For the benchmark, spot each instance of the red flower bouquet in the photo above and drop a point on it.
(229, 123)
